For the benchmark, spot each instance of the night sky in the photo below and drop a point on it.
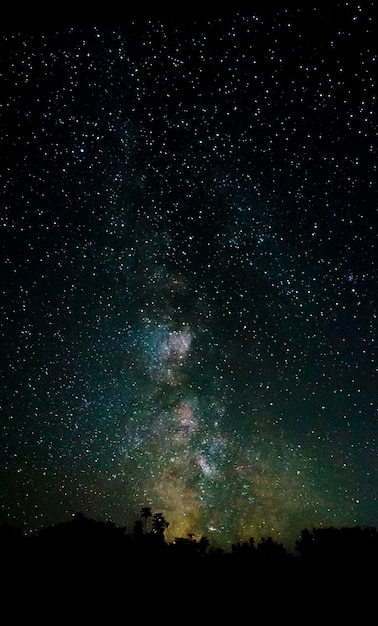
(188, 285)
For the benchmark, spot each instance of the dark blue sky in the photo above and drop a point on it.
(188, 310)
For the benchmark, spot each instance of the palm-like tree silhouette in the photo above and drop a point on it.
(145, 513)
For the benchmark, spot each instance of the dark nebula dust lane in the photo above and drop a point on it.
(188, 285)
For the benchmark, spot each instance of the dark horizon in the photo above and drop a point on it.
(149, 532)
(87, 568)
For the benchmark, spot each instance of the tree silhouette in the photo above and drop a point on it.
(159, 525)
(344, 548)
(138, 529)
(246, 549)
(189, 547)
(203, 545)
(146, 513)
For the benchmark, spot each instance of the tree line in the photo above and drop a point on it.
(90, 571)
(84, 542)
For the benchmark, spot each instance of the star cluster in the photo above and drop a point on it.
(188, 293)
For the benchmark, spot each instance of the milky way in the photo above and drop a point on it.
(188, 297)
